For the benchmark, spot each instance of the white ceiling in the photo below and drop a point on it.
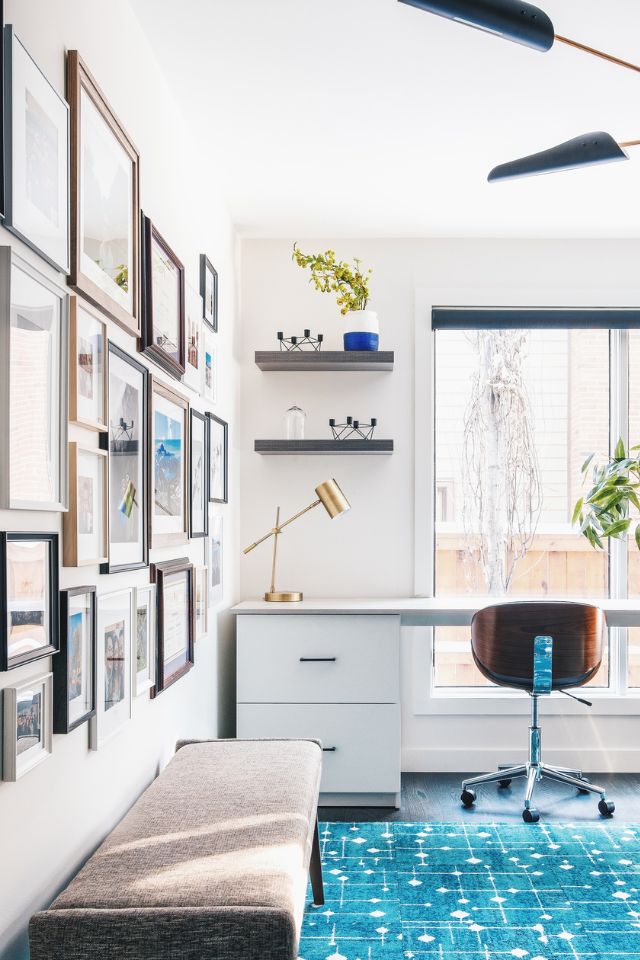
(372, 118)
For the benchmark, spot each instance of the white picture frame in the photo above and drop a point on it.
(143, 640)
(194, 341)
(215, 559)
(201, 601)
(209, 366)
(113, 682)
(28, 726)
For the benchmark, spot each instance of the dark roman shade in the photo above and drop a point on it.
(573, 318)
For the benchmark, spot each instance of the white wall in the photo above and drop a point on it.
(55, 816)
(370, 551)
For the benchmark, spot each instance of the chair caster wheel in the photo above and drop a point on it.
(468, 797)
(505, 783)
(530, 815)
(586, 781)
(606, 808)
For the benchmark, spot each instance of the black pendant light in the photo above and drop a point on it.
(512, 19)
(582, 151)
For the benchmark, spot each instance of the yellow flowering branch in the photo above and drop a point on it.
(336, 276)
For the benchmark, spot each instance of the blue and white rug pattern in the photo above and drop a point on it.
(407, 891)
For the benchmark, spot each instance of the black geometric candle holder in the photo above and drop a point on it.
(352, 429)
(306, 342)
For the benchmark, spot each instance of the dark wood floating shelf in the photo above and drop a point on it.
(359, 447)
(325, 360)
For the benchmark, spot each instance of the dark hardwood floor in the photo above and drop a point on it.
(436, 797)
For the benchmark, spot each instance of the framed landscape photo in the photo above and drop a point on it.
(34, 326)
(209, 291)
(36, 161)
(74, 667)
(193, 340)
(218, 465)
(198, 496)
(210, 369)
(85, 535)
(27, 722)
(105, 205)
(126, 442)
(29, 629)
(175, 610)
(113, 659)
(169, 462)
(215, 561)
(88, 394)
(163, 308)
(202, 602)
(143, 658)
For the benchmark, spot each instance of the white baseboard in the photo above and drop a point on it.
(464, 760)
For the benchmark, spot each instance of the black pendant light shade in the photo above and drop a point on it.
(512, 19)
(581, 151)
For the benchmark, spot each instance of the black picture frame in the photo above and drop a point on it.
(149, 346)
(111, 566)
(61, 663)
(9, 662)
(225, 456)
(193, 533)
(210, 317)
(160, 572)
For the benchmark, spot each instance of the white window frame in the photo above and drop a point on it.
(425, 697)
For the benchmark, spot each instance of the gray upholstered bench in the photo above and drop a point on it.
(211, 863)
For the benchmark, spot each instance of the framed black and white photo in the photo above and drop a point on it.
(143, 656)
(74, 667)
(163, 308)
(218, 457)
(169, 470)
(202, 602)
(29, 628)
(194, 366)
(174, 581)
(85, 537)
(36, 160)
(198, 502)
(113, 659)
(126, 442)
(210, 366)
(209, 291)
(105, 205)
(215, 560)
(88, 393)
(34, 324)
(27, 722)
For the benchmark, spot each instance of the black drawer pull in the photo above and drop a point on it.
(329, 749)
(318, 659)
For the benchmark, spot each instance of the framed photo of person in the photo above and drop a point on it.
(105, 205)
(143, 657)
(85, 535)
(194, 340)
(36, 159)
(218, 465)
(113, 659)
(29, 626)
(34, 327)
(74, 668)
(126, 442)
(163, 309)
(210, 368)
(215, 561)
(202, 602)
(175, 608)
(88, 396)
(209, 291)
(27, 716)
(169, 460)
(198, 464)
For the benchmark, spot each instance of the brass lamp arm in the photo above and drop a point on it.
(597, 53)
(280, 526)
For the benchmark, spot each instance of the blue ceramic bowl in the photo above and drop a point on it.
(361, 341)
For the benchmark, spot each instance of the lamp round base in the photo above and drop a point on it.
(283, 596)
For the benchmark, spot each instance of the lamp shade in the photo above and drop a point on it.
(512, 19)
(332, 498)
(591, 148)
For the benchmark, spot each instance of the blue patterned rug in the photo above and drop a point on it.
(408, 891)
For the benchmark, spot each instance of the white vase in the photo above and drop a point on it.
(361, 330)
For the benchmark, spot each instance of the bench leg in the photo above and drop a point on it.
(315, 869)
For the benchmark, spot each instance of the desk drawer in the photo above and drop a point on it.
(318, 659)
(366, 738)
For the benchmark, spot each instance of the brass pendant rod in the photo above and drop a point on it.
(630, 143)
(597, 53)
(275, 551)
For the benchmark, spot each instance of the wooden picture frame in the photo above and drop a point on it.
(115, 288)
(168, 480)
(86, 509)
(88, 372)
(27, 715)
(163, 331)
(75, 651)
(209, 292)
(143, 668)
(174, 581)
(128, 446)
(218, 459)
(113, 666)
(40, 618)
(198, 475)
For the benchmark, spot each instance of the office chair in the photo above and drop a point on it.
(538, 647)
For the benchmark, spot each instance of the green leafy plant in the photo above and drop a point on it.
(337, 276)
(604, 510)
(122, 276)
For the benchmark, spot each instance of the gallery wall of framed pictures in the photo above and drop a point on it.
(105, 331)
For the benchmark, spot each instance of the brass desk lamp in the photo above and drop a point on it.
(333, 500)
